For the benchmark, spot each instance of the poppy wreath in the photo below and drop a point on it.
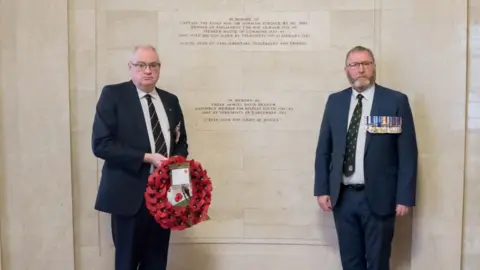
(188, 213)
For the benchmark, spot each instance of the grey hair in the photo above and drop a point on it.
(359, 49)
(138, 47)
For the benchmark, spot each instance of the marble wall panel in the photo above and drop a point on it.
(36, 184)
(72, 50)
(471, 220)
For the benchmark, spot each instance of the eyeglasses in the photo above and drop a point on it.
(356, 65)
(143, 66)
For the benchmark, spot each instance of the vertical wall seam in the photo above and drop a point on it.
(465, 140)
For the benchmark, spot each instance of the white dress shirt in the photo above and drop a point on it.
(162, 117)
(358, 176)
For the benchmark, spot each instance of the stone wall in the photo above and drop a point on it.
(56, 56)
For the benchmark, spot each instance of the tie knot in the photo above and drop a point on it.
(359, 97)
(148, 97)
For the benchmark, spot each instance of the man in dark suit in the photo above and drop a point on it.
(366, 164)
(136, 126)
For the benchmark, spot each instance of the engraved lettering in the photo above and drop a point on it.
(244, 31)
(243, 110)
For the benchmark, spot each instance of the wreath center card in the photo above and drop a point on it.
(180, 190)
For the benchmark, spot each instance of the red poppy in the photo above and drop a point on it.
(208, 199)
(158, 182)
(207, 186)
(178, 197)
(196, 203)
(178, 217)
(151, 179)
(200, 193)
(163, 192)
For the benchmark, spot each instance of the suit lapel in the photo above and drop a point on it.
(169, 112)
(168, 108)
(137, 115)
(377, 101)
(345, 100)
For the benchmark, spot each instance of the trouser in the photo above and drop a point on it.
(364, 237)
(140, 242)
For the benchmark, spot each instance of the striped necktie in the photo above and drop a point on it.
(160, 146)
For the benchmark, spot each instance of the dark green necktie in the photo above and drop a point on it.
(349, 158)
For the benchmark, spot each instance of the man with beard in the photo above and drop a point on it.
(366, 164)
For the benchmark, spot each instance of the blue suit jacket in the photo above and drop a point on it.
(120, 138)
(390, 160)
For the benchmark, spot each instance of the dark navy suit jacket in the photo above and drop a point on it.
(390, 160)
(120, 138)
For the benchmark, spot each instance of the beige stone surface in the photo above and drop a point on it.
(442, 157)
(36, 198)
(56, 56)
(471, 226)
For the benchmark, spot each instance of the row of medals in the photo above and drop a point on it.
(383, 124)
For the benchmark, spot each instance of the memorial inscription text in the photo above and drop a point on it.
(244, 31)
(243, 110)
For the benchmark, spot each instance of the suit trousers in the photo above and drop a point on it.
(364, 238)
(140, 242)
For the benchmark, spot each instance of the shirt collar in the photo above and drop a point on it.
(142, 94)
(367, 94)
